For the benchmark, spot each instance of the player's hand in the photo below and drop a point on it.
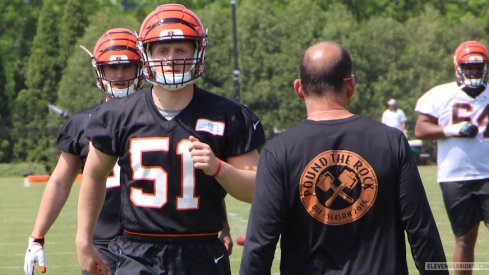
(463, 129)
(203, 156)
(91, 261)
(226, 239)
(33, 255)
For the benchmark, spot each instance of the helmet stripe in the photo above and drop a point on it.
(119, 47)
(173, 20)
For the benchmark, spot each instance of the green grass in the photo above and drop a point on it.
(18, 208)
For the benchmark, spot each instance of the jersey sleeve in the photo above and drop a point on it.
(246, 133)
(68, 137)
(102, 132)
(427, 104)
(267, 216)
(416, 216)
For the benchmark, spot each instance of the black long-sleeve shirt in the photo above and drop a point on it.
(340, 195)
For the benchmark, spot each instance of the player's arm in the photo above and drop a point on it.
(236, 175)
(56, 192)
(90, 201)
(53, 199)
(427, 128)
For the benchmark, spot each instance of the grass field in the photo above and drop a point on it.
(18, 208)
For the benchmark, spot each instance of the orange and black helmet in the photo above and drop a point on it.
(167, 23)
(117, 46)
(471, 53)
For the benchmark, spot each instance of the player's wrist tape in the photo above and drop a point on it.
(39, 240)
(218, 170)
(451, 130)
(464, 129)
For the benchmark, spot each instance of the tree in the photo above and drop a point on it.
(34, 141)
(272, 38)
(17, 28)
(4, 122)
(218, 66)
(74, 21)
(400, 49)
(375, 51)
(4, 98)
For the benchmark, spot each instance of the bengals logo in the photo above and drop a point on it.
(338, 187)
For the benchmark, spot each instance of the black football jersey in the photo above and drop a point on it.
(161, 191)
(340, 195)
(72, 139)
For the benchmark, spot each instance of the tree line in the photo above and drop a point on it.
(400, 49)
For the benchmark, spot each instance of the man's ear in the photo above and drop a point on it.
(298, 88)
(350, 88)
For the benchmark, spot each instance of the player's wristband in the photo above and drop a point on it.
(37, 240)
(219, 165)
(451, 130)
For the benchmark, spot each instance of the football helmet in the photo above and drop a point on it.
(172, 22)
(117, 46)
(470, 63)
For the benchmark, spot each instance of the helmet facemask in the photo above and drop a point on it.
(111, 87)
(191, 68)
(472, 75)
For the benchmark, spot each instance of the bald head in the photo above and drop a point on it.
(323, 67)
(322, 56)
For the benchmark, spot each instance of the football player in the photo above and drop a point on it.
(456, 114)
(118, 68)
(181, 149)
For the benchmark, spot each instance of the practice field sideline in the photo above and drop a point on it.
(18, 208)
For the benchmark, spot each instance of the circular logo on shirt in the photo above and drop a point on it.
(338, 187)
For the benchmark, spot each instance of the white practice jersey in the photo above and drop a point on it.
(459, 158)
(394, 118)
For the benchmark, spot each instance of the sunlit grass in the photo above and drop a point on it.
(18, 208)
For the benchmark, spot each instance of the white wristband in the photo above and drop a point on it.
(452, 129)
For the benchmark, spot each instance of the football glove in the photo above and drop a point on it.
(463, 129)
(34, 253)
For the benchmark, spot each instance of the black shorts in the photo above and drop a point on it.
(200, 256)
(110, 257)
(467, 203)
